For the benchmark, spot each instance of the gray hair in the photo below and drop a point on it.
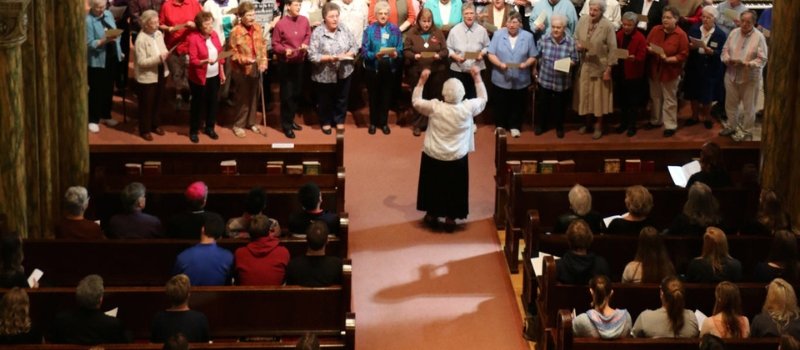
(631, 16)
(453, 91)
(711, 10)
(580, 200)
(93, 3)
(599, 3)
(130, 195)
(76, 199)
(147, 16)
(557, 17)
(382, 5)
(467, 6)
(90, 291)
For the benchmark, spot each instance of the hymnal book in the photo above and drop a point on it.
(275, 167)
(471, 55)
(563, 65)
(540, 19)
(607, 221)
(113, 312)
(112, 33)
(643, 18)
(514, 166)
(530, 166)
(611, 165)
(619, 54)
(228, 167)
(681, 174)
(133, 169)
(387, 50)
(512, 65)
(732, 14)
(633, 165)
(538, 262)
(311, 167)
(344, 57)
(427, 54)
(152, 167)
(658, 50)
(35, 276)
(697, 42)
(294, 169)
(566, 166)
(548, 166)
(649, 166)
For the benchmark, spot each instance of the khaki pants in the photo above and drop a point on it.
(664, 95)
(744, 93)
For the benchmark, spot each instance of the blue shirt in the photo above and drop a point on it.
(376, 37)
(95, 30)
(205, 264)
(563, 7)
(725, 23)
(524, 48)
(765, 20)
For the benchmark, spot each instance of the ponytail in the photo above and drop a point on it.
(672, 290)
(601, 291)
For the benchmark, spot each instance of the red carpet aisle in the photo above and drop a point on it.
(414, 289)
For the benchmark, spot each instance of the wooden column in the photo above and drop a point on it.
(13, 27)
(780, 137)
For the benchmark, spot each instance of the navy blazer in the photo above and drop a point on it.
(710, 67)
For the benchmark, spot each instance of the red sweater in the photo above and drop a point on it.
(291, 33)
(674, 44)
(634, 67)
(261, 263)
(173, 14)
(198, 51)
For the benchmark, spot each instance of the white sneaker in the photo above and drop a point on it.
(93, 127)
(109, 122)
(514, 133)
(497, 130)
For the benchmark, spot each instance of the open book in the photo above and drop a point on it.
(607, 221)
(701, 317)
(538, 262)
(35, 276)
(681, 174)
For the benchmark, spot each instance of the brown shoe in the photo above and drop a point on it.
(417, 131)
(159, 131)
(147, 136)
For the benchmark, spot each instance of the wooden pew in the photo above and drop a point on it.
(554, 296)
(288, 343)
(549, 195)
(567, 341)
(233, 311)
(145, 262)
(589, 157)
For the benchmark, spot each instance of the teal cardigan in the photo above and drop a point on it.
(455, 12)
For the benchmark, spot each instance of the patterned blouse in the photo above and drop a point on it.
(325, 42)
(247, 44)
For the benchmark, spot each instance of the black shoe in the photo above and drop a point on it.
(386, 130)
(669, 132)
(417, 131)
(621, 128)
(537, 130)
(449, 225)
(371, 129)
(708, 124)
(651, 126)
(691, 121)
(193, 138)
(327, 131)
(631, 132)
(211, 133)
(289, 133)
(431, 222)
(560, 133)
(296, 127)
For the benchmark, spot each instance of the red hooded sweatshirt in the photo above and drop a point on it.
(261, 263)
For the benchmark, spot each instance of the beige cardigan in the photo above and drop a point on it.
(602, 41)
(148, 57)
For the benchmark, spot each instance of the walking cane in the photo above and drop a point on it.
(263, 104)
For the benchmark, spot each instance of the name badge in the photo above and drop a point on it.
(712, 44)
(385, 36)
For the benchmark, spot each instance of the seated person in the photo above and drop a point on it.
(88, 324)
(178, 318)
(134, 223)
(602, 321)
(781, 261)
(187, 225)
(727, 321)
(780, 314)
(700, 211)
(15, 322)
(206, 263)
(311, 201)
(639, 202)
(770, 217)
(255, 204)
(671, 320)
(580, 202)
(712, 168)
(176, 342)
(578, 265)
(73, 225)
(12, 273)
(714, 265)
(652, 263)
(788, 342)
(315, 269)
(262, 262)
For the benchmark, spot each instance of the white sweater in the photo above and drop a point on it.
(148, 50)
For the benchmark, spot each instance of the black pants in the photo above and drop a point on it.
(149, 95)
(332, 101)
(101, 86)
(551, 103)
(469, 83)
(380, 85)
(204, 97)
(291, 77)
(629, 95)
(507, 107)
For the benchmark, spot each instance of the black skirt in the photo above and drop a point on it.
(444, 187)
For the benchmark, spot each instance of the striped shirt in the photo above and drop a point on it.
(551, 51)
(750, 48)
